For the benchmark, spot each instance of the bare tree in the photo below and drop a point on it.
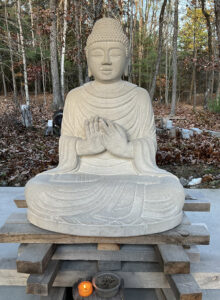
(217, 23)
(57, 97)
(210, 51)
(63, 50)
(23, 53)
(33, 39)
(79, 45)
(168, 56)
(11, 56)
(3, 77)
(159, 49)
(174, 63)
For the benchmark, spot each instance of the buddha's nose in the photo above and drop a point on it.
(106, 59)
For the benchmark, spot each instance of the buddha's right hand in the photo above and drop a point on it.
(92, 143)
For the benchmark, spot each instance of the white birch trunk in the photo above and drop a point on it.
(62, 68)
(174, 64)
(11, 56)
(33, 39)
(23, 53)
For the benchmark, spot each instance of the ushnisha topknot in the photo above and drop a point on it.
(108, 29)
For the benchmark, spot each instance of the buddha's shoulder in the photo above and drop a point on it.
(74, 93)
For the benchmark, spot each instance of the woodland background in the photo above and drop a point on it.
(174, 54)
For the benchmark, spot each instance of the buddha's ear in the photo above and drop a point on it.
(126, 68)
(89, 72)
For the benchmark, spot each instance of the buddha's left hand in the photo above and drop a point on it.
(115, 139)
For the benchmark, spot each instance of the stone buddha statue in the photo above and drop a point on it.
(107, 182)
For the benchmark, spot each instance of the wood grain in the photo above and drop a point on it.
(185, 287)
(33, 258)
(89, 252)
(41, 284)
(173, 258)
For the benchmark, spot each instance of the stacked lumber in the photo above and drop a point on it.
(49, 262)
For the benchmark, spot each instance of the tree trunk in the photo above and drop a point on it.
(131, 40)
(174, 64)
(139, 5)
(159, 50)
(43, 73)
(210, 51)
(11, 58)
(3, 78)
(33, 42)
(194, 84)
(217, 23)
(57, 97)
(79, 50)
(23, 53)
(62, 68)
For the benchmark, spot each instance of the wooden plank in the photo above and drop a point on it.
(196, 205)
(173, 258)
(185, 287)
(145, 253)
(33, 258)
(55, 293)
(108, 247)
(41, 284)
(9, 275)
(193, 253)
(160, 295)
(70, 272)
(168, 293)
(20, 203)
(104, 265)
(28, 233)
(189, 205)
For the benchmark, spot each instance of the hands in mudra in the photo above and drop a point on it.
(101, 135)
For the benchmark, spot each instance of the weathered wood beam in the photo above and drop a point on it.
(185, 287)
(34, 258)
(41, 284)
(55, 293)
(136, 275)
(89, 252)
(173, 259)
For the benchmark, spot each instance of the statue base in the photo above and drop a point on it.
(105, 230)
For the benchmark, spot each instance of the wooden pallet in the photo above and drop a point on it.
(48, 260)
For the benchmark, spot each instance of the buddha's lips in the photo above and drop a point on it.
(105, 70)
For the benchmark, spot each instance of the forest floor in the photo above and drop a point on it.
(27, 152)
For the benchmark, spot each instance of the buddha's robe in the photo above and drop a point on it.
(105, 195)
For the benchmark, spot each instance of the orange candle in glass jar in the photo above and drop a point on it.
(85, 288)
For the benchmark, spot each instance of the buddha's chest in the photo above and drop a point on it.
(125, 113)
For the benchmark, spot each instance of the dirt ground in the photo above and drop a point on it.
(27, 152)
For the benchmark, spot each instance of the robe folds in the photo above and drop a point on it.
(105, 195)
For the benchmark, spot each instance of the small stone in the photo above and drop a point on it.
(195, 181)
(183, 181)
(196, 130)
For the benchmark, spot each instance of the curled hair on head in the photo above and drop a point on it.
(105, 30)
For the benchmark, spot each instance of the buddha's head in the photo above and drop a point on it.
(107, 51)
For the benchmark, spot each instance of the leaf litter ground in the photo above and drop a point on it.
(27, 152)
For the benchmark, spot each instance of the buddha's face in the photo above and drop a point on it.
(107, 61)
